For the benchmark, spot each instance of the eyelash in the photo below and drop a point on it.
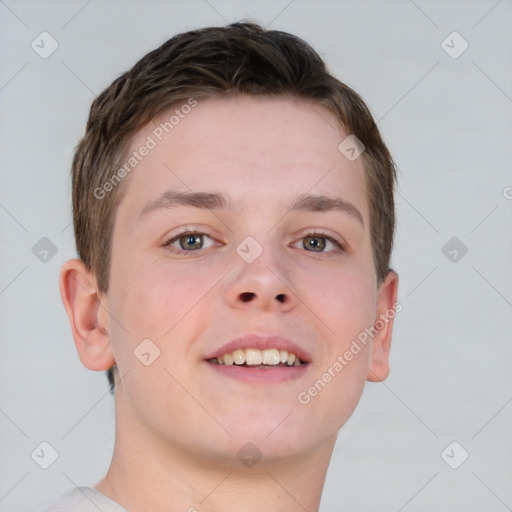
(315, 234)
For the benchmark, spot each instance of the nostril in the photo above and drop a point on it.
(247, 296)
(280, 297)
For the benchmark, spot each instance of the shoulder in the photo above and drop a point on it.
(83, 499)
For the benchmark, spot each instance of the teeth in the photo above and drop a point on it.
(271, 356)
(255, 357)
(239, 356)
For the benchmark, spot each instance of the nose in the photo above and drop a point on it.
(262, 284)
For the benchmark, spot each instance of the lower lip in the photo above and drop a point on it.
(261, 375)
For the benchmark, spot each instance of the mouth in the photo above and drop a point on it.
(260, 360)
(254, 358)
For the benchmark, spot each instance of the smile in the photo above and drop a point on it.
(255, 358)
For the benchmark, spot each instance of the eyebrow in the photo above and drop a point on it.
(217, 201)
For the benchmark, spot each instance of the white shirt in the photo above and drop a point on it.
(84, 499)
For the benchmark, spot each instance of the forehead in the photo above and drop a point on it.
(257, 148)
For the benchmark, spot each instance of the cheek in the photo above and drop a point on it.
(154, 306)
(157, 296)
(344, 300)
(346, 304)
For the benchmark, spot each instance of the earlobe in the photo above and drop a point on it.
(87, 315)
(387, 308)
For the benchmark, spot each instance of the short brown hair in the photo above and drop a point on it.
(241, 58)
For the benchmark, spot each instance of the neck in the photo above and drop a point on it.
(148, 474)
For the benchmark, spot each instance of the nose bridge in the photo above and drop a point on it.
(261, 256)
(261, 244)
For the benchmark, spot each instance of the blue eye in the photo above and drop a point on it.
(189, 241)
(318, 241)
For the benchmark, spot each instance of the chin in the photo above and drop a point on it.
(275, 438)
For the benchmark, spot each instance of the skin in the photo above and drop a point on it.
(179, 423)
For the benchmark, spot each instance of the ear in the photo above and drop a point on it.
(387, 308)
(88, 315)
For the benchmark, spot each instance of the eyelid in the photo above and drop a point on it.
(321, 233)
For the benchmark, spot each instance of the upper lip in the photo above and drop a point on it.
(261, 343)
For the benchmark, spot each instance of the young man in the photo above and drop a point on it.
(234, 216)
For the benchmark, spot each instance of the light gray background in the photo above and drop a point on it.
(448, 124)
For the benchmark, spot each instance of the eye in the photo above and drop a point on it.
(317, 242)
(188, 241)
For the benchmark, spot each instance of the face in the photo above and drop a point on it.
(258, 269)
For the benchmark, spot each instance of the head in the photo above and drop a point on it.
(208, 106)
